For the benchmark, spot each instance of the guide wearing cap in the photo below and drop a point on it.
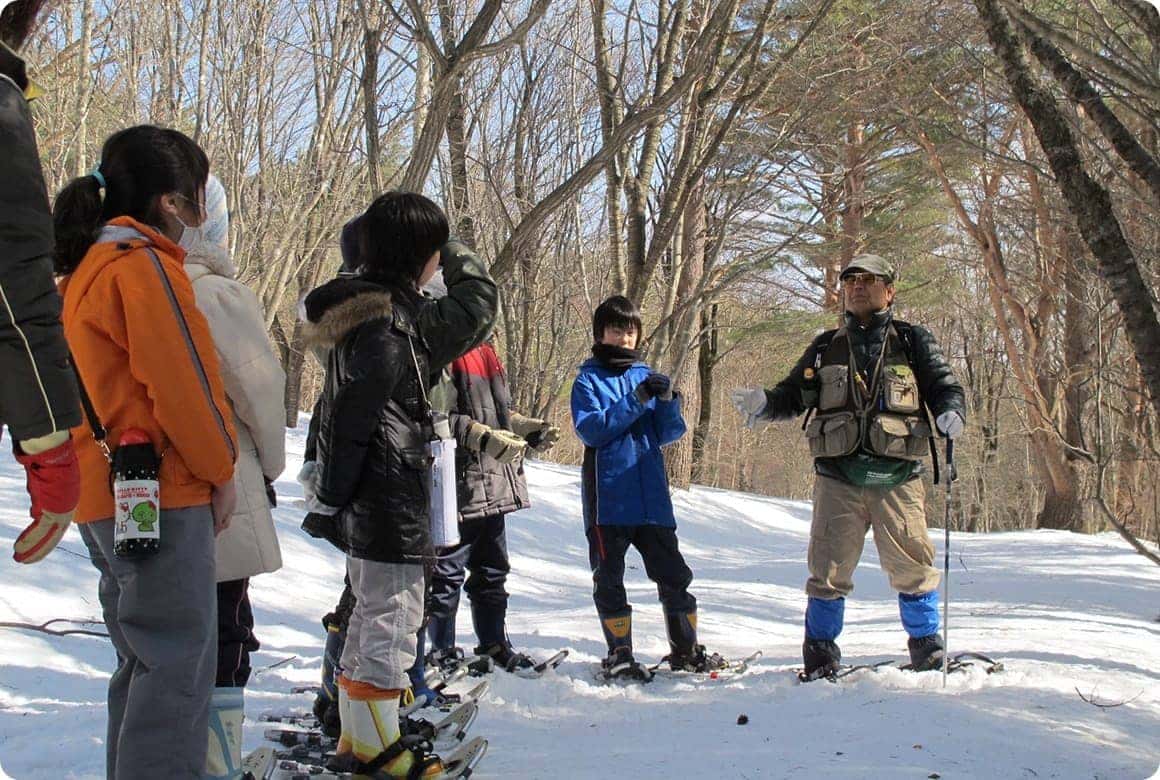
(867, 388)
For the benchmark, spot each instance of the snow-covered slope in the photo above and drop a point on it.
(1067, 614)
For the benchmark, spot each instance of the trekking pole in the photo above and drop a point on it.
(950, 478)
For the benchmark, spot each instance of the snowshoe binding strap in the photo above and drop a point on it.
(417, 745)
(418, 727)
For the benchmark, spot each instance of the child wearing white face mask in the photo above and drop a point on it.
(145, 354)
(255, 385)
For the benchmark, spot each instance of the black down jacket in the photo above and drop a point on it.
(372, 421)
(38, 393)
(486, 486)
(373, 427)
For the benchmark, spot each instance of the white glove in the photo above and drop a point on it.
(308, 478)
(950, 424)
(750, 402)
(319, 508)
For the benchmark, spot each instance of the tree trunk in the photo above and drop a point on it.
(370, 90)
(1088, 201)
(1062, 511)
(296, 363)
(457, 145)
(706, 360)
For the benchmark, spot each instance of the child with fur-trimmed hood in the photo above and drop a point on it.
(385, 342)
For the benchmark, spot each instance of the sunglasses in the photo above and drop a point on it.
(864, 279)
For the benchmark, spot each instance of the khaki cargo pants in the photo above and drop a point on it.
(842, 515)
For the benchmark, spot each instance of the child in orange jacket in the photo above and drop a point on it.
(146, 359)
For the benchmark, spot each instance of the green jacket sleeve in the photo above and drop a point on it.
(794, 394)
(463, 318)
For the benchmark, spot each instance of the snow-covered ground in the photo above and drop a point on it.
(1067, 614)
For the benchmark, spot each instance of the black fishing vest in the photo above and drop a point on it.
(882, 415)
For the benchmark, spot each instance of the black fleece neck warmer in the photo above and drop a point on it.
(615, 358)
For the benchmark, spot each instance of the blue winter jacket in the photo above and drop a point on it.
(624, 480)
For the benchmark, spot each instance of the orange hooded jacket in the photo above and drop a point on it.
(147, 360)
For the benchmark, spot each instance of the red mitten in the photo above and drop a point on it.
(54, 484)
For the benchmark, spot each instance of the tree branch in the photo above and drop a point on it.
(1082, 54)
(1081, 92)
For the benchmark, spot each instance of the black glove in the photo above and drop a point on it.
(271, 494)
(654, 386)
(658, 385)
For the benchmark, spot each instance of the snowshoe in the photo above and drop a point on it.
(696, 660)
(257, 763)
(620, 666)
(961, 661)
(428, 765)
(446, 660)
(445, 733)
(958, 663)
(546, 665)
(293, 735)
(712, 667)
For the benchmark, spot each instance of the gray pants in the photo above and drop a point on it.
(161, 613)
(381, 640)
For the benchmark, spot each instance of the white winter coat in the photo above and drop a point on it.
(255, 384)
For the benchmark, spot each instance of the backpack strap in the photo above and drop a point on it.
(905, 333)
(821, 347)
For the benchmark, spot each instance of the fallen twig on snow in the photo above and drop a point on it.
(1106, 705)
(274, 665)
(44, 627)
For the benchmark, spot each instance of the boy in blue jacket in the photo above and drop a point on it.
(624, 412)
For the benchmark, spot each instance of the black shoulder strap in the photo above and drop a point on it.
(194, 356)
(821, 347)
(100, 433)
(905, 333)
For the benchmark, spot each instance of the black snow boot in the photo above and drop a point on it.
(620, 665)
(684, 652)
(926, 653)
(326, 702)
(617, 630)
(505, 657)
(822, 658)
(490, 622)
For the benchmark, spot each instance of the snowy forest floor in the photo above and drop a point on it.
(1067, 615)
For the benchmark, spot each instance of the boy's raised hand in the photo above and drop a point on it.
(655, 385)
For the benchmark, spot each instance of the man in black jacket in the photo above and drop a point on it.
(870, 383)
(38, 394)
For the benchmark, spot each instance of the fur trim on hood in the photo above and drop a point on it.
(207, 259)
(338, 307)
